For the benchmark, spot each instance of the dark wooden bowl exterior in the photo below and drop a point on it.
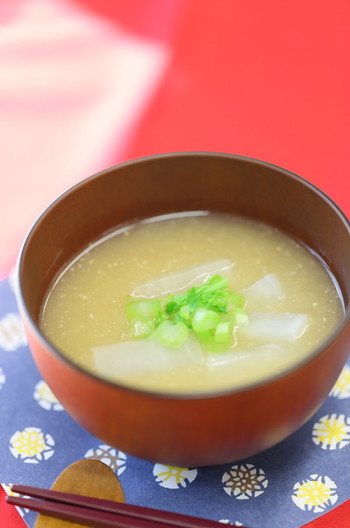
(186, 430)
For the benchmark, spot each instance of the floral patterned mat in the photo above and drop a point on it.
(288, 485)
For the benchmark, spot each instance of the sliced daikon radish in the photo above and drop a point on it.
(266, 289)
(240, 356)
(143, 356)
(183, 280)
(273, 326)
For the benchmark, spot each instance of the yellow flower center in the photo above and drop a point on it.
(46, 394)
(30, 443)
(343, 382)
(332, 430)
(172, 471)
(314, 492)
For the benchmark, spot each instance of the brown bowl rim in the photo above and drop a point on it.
(45, 341)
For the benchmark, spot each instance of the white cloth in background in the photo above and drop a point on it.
(72, 88)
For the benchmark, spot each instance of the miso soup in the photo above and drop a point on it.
(291, 302)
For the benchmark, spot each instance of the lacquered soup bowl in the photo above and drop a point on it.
(186, 430)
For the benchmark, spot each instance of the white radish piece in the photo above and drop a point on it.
(240, 356)
(176, 282)
(266, 289)
(143, 356)
(274, 326)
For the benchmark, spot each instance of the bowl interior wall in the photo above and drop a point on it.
(160, 185)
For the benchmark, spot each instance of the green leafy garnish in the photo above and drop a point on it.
(211, 312)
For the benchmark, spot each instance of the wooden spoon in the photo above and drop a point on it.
(86, 477)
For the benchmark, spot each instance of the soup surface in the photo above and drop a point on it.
(292, 303)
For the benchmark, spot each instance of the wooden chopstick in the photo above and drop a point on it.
(101, 513)
(76, 514)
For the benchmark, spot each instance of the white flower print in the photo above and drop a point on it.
(173, 477)
(245, 481)
(315, 493)
(341, 389)
(45, 397)
(332, 431)
(12, 335)
(116, 460)
(31, 445)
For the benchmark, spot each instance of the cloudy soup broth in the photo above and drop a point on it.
(191, 303)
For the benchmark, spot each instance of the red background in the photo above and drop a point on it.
(261, 78)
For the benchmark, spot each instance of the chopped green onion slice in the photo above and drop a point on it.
(171, 334)
(223, 332)
(236, 300)
(185, 312)
(143, 316)
(143, 308)
(204, 320)
(204, 337)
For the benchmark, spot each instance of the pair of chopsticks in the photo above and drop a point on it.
(101, 513)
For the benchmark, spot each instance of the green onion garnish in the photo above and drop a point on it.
(171, 334)
(204, 320)
(211, 311)
(143, 316)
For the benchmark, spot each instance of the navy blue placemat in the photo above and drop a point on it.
(286, 486)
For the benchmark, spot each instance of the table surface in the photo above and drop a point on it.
(287, 485)
(87, 84)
